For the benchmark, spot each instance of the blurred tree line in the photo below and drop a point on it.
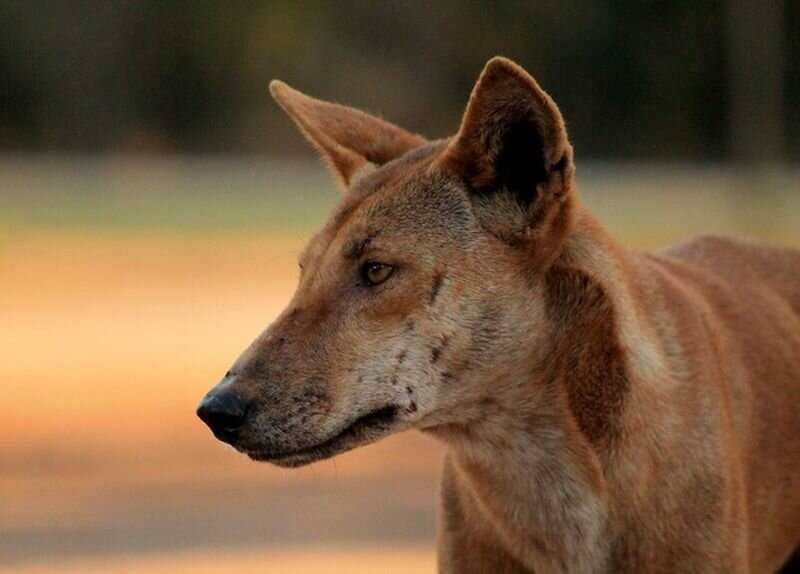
(635, 79)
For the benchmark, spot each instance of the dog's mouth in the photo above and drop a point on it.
(365, 429)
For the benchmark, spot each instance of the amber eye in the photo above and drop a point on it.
(374, 273)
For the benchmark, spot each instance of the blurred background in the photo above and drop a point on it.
(153, 201)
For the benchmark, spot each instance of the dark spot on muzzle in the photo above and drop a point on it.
(436, 287)
(436, 352)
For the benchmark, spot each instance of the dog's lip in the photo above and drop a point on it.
(361, 431)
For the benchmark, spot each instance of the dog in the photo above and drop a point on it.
(604, 410)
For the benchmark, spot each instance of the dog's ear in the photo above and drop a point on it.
(348, 139)
(512, 149)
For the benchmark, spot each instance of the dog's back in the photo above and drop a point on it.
(745, 262)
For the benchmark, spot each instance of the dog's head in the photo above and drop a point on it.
(421, 295)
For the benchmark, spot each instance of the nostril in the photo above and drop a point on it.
(226, 421)
(224, 412)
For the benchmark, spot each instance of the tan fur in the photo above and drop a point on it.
(604, 410)
(348, 139)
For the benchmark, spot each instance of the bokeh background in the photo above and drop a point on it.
(153, 201)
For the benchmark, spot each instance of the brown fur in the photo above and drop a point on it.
(604, 410)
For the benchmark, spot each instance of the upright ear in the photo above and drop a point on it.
(348, 139)
(512, 149)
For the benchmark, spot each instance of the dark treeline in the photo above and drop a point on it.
(635, 79)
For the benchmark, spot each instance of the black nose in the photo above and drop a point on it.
(224, 412)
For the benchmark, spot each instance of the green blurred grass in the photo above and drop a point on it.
(645, 205)
(186, 195)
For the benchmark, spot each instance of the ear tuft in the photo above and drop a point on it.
(347, 138)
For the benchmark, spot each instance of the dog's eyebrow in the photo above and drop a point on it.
(355, 248)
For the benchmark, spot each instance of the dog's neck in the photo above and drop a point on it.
(535, 467)
(537, 486)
